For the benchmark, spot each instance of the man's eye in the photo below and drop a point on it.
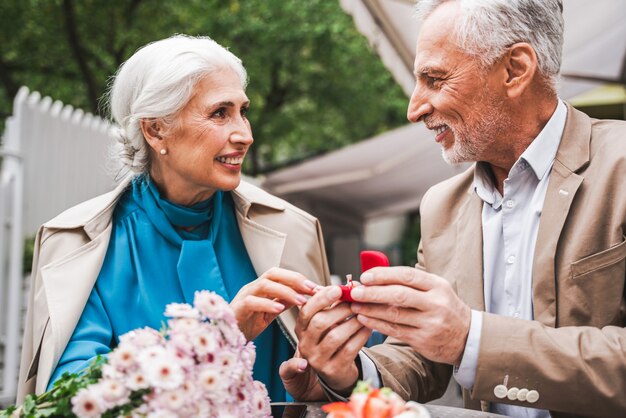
(433, 80)
(244, 111)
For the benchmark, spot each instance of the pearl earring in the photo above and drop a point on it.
(163, 151)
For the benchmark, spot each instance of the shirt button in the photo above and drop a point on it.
(510, 259)
(532, 396)
(512, 394)
(510, 203)
(521, 395)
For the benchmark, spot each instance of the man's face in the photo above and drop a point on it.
(454, 96)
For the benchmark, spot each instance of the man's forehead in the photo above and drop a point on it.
(435, 43)
(442, 18)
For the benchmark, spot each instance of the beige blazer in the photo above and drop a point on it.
(574, 352)
(70, 250)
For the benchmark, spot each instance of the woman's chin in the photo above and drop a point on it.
(229, 185)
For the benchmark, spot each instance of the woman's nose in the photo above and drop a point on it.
(242, 133)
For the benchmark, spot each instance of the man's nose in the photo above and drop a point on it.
(419, 105)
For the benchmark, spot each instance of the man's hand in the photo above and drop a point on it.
(330, 338)
(416, 307)
(300, 379)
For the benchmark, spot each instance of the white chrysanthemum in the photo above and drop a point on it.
(149, 355)
(137, 381)
(110, 372)
(183, 325)
(123, 357)
(86, 403)
(232, 334)
(184, 357)
(228, 411)
(188, 389)
(181, 310)
(162, 413)
(204, 343)
(227, 360)
(114, 392)
(211, 382)
(144, 337)
(173, 400)
(260, 400)
(211, 305)
(248, 355)
(164, 372)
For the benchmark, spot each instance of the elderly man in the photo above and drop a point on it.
(519, 290)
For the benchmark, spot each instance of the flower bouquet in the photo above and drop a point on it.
(200, 365)
(366, 402)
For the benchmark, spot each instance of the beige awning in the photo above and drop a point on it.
(594, 49)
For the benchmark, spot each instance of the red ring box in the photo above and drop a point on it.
(369, 259)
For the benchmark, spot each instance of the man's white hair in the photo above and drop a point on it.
(157, 81)
(486, 28)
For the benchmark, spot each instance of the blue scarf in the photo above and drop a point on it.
(153, 260)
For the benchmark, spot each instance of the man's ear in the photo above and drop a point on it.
(152, 129)
(520, 63)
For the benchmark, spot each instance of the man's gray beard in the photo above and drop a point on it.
(472, 146)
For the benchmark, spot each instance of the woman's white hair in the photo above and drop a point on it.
(486, 28)
(157, 81)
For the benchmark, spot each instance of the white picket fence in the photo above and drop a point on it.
(53, 156)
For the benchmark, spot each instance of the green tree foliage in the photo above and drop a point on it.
(315, 85)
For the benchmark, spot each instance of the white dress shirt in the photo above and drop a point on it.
(510, 223)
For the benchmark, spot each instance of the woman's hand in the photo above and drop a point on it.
(259, 302)
(300, 379)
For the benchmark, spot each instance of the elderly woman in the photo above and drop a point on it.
(181, 222)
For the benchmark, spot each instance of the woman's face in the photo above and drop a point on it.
(206, 142)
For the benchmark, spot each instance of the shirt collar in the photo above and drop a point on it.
(541, 152)
(539, 155)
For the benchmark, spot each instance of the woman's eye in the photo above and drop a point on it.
(219, 113)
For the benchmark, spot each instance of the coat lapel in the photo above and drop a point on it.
(573, 153)
(468, 258)
(265, 245)
(67, 284)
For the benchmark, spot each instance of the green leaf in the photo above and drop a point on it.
(7, 412)
(48, 412)
(29, 405)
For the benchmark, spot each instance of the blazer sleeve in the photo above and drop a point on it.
(405, 371)
(577, 369)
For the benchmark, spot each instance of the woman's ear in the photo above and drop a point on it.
(152, 129)
(520, 63)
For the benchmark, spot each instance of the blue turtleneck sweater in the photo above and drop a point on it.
(151, 262)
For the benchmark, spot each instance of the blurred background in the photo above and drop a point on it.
(329, 85)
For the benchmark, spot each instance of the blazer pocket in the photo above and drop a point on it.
(600, 260)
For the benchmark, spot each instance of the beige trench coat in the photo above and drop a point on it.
(70, 250)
